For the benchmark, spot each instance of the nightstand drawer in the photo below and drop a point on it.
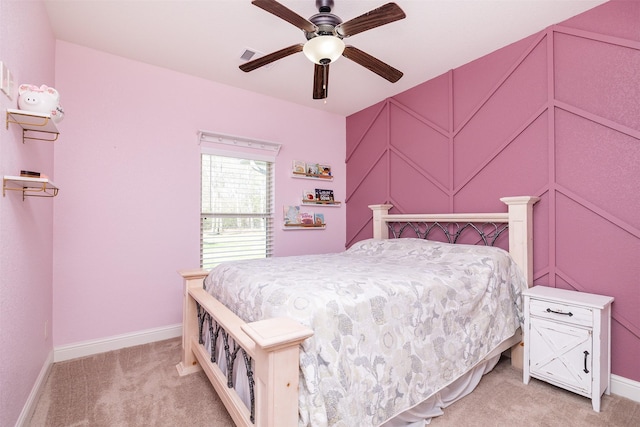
(561, 312)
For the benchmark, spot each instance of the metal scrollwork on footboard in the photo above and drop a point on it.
(487, 233)
(230, 355)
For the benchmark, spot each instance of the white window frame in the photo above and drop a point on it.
(242, 148)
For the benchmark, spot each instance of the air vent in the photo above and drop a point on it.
(247, 55)
(251, 54)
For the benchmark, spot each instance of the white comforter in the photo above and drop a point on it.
(394, 320)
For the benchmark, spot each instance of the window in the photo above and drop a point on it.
(236, 215)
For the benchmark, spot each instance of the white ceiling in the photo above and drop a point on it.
(205, 38)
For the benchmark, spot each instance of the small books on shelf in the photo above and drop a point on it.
(324, 171)
(299, 167)
(318, 219)
(306, 218)
(30, 174)
(309, 196)
(314, 170)
(324, 195)
(318, 196)
(294, 217)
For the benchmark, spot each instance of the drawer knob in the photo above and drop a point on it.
(559, 312)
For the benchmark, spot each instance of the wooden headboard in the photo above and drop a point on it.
(519, 218)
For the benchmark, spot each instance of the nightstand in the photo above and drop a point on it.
(567, 340)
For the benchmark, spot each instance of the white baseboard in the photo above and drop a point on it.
(88, 348)
(38, 386)
(625, 387)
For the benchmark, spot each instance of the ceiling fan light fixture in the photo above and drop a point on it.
(323, 49)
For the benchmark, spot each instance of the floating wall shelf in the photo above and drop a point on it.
(321, 203)
(30, 187)
(289, 227)
(33, 123)
(312, 176)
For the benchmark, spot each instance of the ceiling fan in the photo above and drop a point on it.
(325, 32)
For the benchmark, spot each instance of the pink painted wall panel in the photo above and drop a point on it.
(585, 153)
(26, 227)
(596, 256)
(372, 151)
(406, 135)
(607, 19)
(478, 78)
(371, 191)
(427, 100)
(603, 68)
(496, 178)
(359, 128)
(511, 105)
(411, 189)
(555, 115)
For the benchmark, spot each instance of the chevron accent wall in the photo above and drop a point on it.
(555, 115)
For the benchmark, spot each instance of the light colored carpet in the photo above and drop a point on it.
(136, 386)
(502, 399)
(140, 386)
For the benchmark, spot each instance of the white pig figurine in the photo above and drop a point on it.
(43, 99)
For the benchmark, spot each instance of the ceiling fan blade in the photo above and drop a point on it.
(386, 14)
(287, 14)
(268, 59)
(380, 68)
(320, 81)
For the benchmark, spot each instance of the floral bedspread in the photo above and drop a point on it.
(394, 320)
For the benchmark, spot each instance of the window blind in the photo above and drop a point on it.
(236, 217)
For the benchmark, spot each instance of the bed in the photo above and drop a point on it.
(365, 342)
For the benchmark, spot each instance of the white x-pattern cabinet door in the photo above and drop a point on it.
(561, 354)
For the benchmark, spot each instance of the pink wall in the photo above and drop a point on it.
(555, 115)
(127, 163)
(26, 227)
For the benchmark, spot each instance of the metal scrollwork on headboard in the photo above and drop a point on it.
(487, 233)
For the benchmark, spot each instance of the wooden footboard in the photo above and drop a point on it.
(272, 345)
